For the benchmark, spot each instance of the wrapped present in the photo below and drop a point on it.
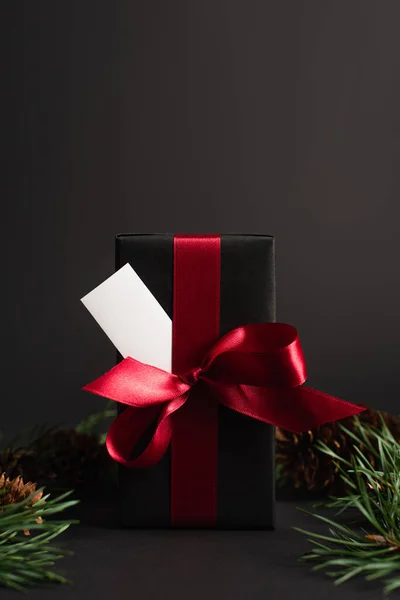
(203, 376)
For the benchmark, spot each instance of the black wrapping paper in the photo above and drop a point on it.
(246, 461)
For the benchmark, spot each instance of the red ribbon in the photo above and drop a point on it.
(194, 449)
(257, 370)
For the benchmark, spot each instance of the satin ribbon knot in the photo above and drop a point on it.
(257, 370)
(191, 377)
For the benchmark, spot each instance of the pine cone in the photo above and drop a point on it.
(303, 466)
(65, 458)
(11, 461)
(16, 490)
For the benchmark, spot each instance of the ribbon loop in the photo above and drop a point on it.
(127, 429)
(266, 355)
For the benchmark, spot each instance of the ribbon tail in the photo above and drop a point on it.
(295, 409)
(129, 426)
(318, 408)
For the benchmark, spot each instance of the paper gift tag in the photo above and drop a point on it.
(132, 318)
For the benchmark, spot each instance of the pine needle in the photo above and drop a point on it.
(90, 424)
(374, 495)
(28, 560)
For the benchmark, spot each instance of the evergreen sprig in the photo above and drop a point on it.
(91, 423)
(28, 560)
(371, 545)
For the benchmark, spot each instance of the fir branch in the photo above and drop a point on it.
(27, 439)
(29, 560)
(374, 494)
(280, 476)
(89, 424)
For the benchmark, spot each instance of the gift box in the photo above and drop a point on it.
(245, 453)
(203, 377)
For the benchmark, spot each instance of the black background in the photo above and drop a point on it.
(208, 115)
(275, 117)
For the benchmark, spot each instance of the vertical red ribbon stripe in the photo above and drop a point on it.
(196, 317)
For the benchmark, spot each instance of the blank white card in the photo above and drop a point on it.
(132, 318)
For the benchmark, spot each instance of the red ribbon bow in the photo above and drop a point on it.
(257, 370)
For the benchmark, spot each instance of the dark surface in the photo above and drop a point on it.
(208, 115)
(246, 447)
(181, 565)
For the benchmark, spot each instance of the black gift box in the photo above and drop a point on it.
(246, 460)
